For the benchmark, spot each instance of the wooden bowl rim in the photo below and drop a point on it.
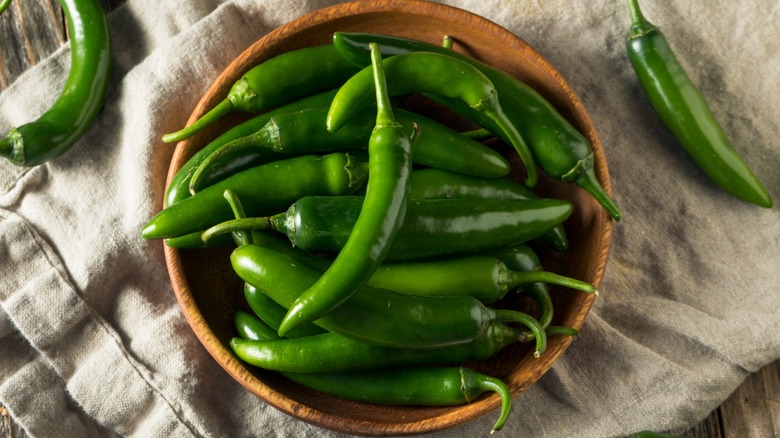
(457, 415)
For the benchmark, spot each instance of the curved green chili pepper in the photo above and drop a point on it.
(684, 111)
(276, 81)
(265, 189)
(557, 147)
(303, 132)
(179, 187)
(437, 74)
(66, 121)
(485, 278)
(380, 217)
(432, 386)
(378, 316)
(431, 227)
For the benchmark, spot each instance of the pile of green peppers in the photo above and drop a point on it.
(376, 245)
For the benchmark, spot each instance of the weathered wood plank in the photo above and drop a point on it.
(753, 410)
(30, 31)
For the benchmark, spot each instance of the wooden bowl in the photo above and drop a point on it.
(209, 292)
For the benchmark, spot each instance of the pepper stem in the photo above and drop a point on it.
(541, 296)
(517, 141)
(222, 108)
(242, 224)
(588, 182)
(241, 237)
(557, 330)
(639, 24)
(478, 134)
(484, 383)
(384, 109)
(515, 279)
(504, 315)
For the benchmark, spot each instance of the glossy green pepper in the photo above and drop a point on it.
(485, 278)
(66, 121)
(684, 111)
(380, 217)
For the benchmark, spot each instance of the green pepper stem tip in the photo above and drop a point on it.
(222, 108)
(587, 181)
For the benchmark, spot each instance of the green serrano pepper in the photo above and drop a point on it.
(684, 111)
(379, 316)
(436, 74)
(431, 227)
(433, 386)
(303, 132)
(80, 101)
(279, 80)
(380, 217)
(557, 147)
(436, 184)
(486, 278)
(265, 189)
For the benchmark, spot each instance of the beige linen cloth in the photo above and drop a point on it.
(92, 342)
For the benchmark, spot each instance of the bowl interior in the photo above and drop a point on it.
(209, 293)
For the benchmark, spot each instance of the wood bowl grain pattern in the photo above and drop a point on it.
(208, 291)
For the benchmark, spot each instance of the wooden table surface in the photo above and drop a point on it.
(30, 30)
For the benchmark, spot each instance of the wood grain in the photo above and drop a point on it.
(30, 30)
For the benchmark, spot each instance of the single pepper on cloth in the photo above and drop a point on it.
(287, 77)
(380, 217)
(558, 148)
(684, 111)
(80, 101)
